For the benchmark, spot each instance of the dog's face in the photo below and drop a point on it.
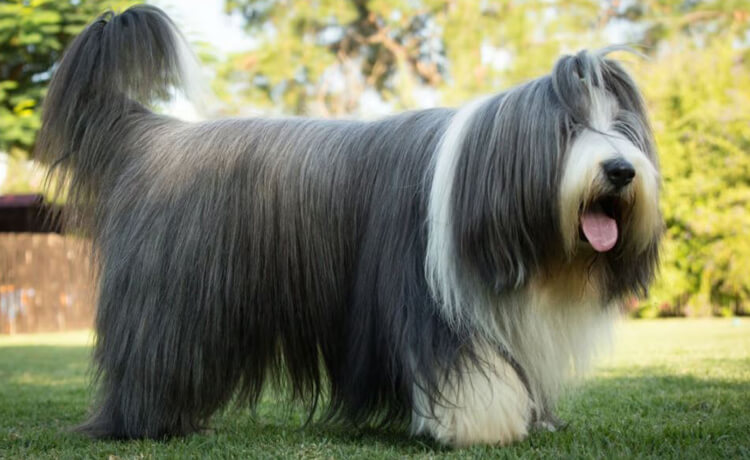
(609, 197)
(609, 187)
(559, 174)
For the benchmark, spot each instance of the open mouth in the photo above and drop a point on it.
(598, 223)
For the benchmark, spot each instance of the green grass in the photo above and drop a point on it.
(672, 388)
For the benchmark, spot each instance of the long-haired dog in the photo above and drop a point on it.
(447, 267)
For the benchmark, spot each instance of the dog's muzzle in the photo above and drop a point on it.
(600, 219)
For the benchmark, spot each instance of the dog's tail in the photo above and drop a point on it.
(111, 72)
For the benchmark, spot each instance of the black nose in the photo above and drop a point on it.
(619, 172)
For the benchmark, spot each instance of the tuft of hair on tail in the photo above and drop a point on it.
(108, 77)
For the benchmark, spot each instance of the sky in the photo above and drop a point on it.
(205, 20)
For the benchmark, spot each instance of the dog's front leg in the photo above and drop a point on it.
(490, 405)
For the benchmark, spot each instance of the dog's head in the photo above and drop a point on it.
(609, 184)
(560, 173)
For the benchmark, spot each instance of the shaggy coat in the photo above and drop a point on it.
(428, 266)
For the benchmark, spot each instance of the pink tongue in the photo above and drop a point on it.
(600, 230)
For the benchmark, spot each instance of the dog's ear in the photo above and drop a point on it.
(505, 194)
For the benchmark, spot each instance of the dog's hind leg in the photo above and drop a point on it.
(159, 377)
(167, 329)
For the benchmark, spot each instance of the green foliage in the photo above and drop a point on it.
(699, 104)
(461, 48)
(33, 34)
(393, 47)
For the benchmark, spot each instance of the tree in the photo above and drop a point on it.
(335, 57)
(321, 57)
(697, 83)
(33, 34)
(698, 87)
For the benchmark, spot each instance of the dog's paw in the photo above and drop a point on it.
(550, 423)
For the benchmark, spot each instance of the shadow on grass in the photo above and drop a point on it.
(632, 411)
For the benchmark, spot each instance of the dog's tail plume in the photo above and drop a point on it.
(115, 68)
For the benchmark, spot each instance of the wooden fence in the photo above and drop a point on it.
(45, 283)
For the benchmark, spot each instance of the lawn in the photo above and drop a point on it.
(671, 388)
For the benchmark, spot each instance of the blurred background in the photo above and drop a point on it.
(366, 59)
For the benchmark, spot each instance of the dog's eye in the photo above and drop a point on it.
(632, 127)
